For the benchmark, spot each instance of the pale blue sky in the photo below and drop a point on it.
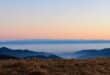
(67, 19)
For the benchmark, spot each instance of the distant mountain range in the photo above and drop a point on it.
(88, 54)
(6, 53)
(46, 41)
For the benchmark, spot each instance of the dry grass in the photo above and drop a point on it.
(55, 67)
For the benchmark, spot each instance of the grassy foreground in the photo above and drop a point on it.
(55, 67)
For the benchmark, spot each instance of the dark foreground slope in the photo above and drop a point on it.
(55, 67)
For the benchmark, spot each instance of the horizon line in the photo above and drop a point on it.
(53, 41)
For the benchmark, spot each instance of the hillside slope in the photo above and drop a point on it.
(88, 54)
(25, 54)
(55, 67)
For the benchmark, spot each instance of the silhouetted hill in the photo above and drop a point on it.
(88, 54)
(20, 54)
(27, 54)
(7, 57)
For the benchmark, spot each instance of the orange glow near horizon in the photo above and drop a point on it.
(65, 19)
(56, 33)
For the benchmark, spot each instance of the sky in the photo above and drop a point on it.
(54, 19)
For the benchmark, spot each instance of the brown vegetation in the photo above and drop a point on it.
(55, 67)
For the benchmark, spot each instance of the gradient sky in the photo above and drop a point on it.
(54, 19)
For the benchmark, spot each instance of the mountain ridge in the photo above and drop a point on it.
(88, 54)
(21, 54)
